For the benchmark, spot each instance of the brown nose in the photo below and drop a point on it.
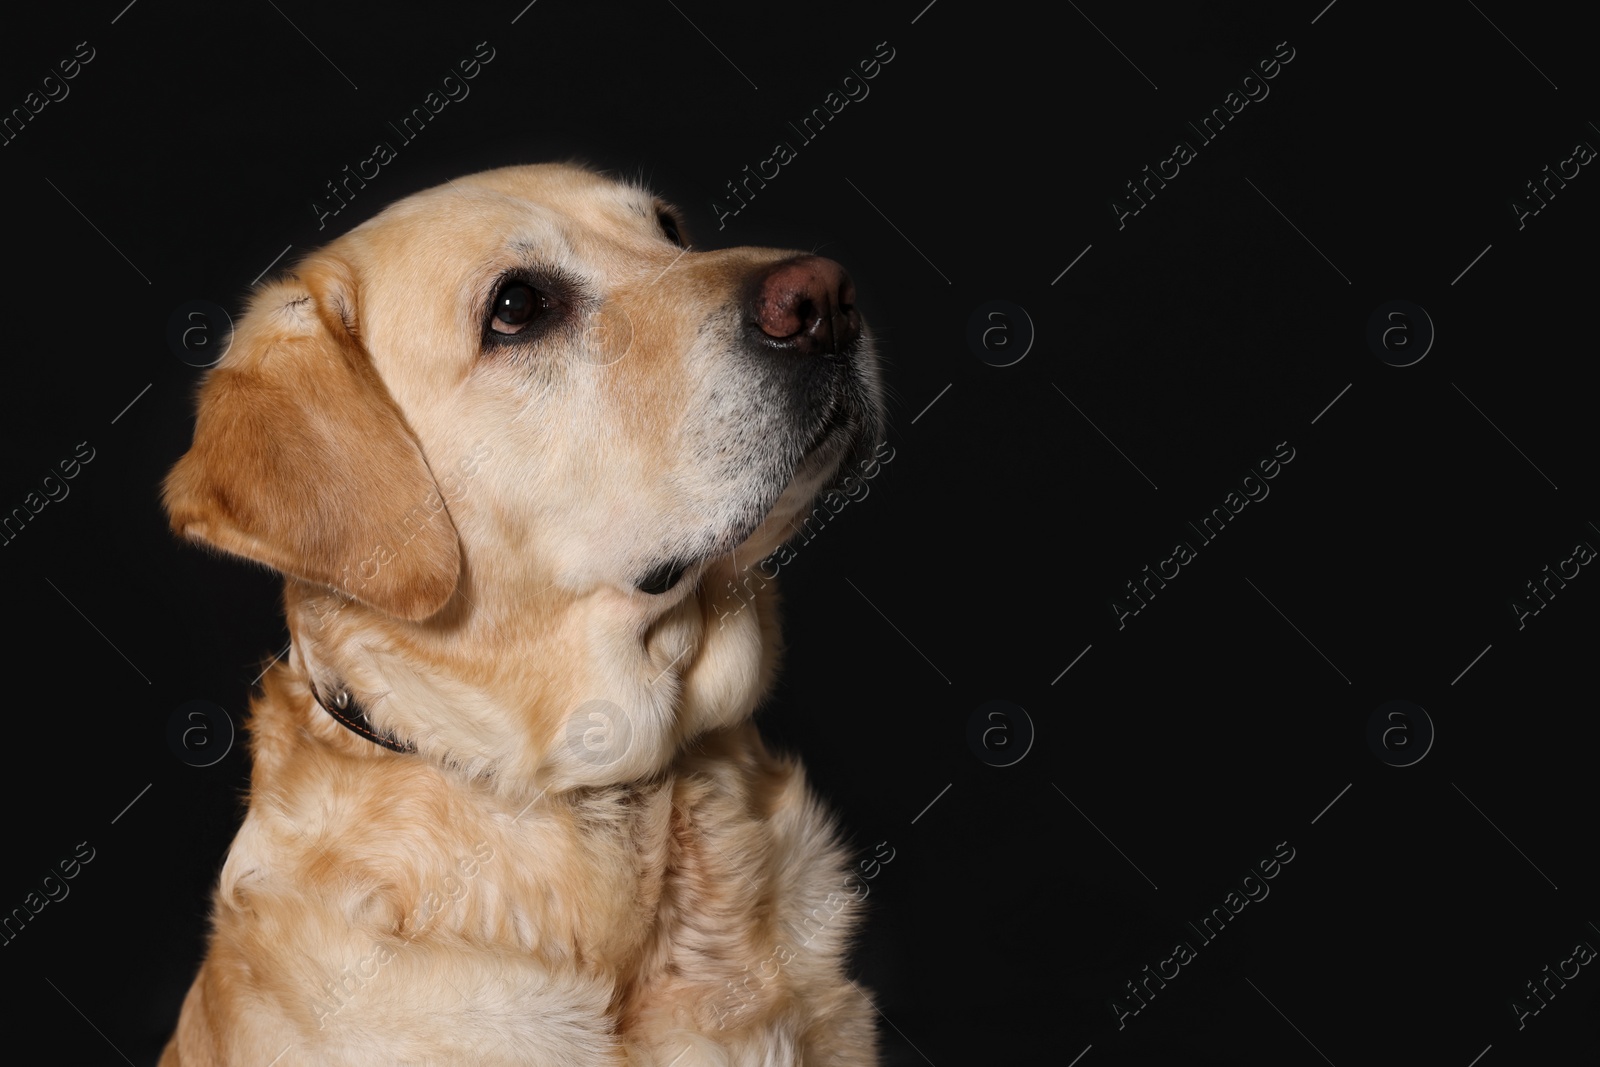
(806, 305)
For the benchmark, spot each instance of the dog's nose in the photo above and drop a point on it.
(806, 305)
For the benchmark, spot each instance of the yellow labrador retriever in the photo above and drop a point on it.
(508, 442)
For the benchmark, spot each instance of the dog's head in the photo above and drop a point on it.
(508, 441)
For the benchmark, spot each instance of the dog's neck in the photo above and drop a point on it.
(597, 689)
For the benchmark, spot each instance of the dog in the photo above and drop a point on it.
(508, 442)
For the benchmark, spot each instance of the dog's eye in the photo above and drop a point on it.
(518, 304)
(669, 226)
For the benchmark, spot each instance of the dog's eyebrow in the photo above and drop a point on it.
(528, 250)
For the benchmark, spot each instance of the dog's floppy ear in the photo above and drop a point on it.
(302, 461)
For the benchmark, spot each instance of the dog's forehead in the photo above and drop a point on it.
(517, 204)
(559, 184)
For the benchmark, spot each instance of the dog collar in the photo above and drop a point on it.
(353, 717)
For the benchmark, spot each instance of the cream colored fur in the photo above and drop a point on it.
(591, 858)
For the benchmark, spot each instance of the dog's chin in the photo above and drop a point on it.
(842, 437)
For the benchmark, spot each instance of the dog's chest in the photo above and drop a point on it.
(572, 885)
(363, 889)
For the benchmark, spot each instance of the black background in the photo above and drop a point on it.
(1222, 319)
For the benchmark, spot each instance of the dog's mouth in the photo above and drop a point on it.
(663, 577)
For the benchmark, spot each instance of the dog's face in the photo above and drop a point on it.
(504, 438)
